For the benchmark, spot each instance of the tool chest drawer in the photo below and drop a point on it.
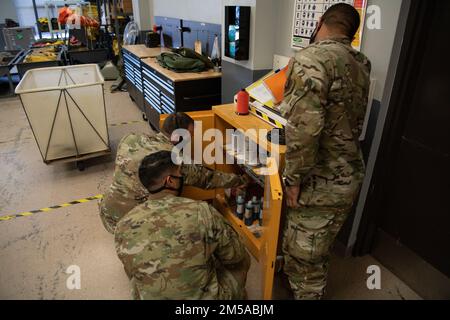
(167, 92)
(132, 67)
(159, 92)
(133, 77)
(152, 96)
(159, 80)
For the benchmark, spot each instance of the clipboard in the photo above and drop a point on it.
(276, 83)
(269, 90)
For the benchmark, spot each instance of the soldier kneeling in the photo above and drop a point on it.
(178, 248)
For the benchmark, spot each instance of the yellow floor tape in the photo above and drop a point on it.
(68, 204)
(111, 125)
(126, 123)
(64, 205)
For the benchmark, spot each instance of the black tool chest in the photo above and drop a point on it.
(164, 96)
(133, 77)
(155, 93)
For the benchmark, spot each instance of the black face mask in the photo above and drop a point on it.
(179, 190)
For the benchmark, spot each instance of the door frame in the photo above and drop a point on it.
(361, 235)
(408, 53)
(404, 81)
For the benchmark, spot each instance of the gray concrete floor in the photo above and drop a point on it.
(36, 251)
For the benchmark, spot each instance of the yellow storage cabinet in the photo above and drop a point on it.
(264, 247)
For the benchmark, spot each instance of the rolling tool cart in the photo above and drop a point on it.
(6, 64)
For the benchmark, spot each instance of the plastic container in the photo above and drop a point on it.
(84, 56)
(65, 107)
(5, 68)
(23, 67)
(256, 208)
(248, 216)
(18, 38)
(7, 63)
(240, 208)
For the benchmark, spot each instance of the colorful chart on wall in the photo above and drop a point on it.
(307, 14)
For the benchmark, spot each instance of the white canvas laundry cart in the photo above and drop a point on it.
(65, 107)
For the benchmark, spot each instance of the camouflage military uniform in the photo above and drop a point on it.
(325, 103)
(181, 249)
(126, 191)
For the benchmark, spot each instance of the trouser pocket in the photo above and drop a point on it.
(308, 235)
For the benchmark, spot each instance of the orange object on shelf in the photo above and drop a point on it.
(67, 16)
(64, 13)
(276, 84)
(242, 104)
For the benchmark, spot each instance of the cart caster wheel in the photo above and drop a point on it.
(144, 117)
(81, 166)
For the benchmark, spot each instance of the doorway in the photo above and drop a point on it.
(406, 221)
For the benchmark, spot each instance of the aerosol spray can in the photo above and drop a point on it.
(256, 206)
(240, 209)
(248, 214)
(260, 218)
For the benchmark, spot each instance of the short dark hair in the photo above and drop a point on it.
(179, 120)
(344, 17)
(154, 167)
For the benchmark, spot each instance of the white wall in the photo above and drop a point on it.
(211, 11)
(376, 44)
(143, 14)
(195, 10)
(7, 10)
(262, 35)
(265, 34)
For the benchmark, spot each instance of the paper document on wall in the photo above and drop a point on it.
(307, 15)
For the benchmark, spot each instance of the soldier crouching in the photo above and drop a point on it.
(177, 248)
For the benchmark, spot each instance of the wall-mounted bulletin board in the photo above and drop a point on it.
(307, 14)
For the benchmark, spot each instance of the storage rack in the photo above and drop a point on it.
(54, 5)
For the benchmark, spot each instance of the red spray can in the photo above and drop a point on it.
(243, 100)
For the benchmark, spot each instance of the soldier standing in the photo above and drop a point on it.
(325, 103)
(177, 248)
(126, 191)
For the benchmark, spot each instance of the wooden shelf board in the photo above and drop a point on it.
(141, 51)
(178, 77)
